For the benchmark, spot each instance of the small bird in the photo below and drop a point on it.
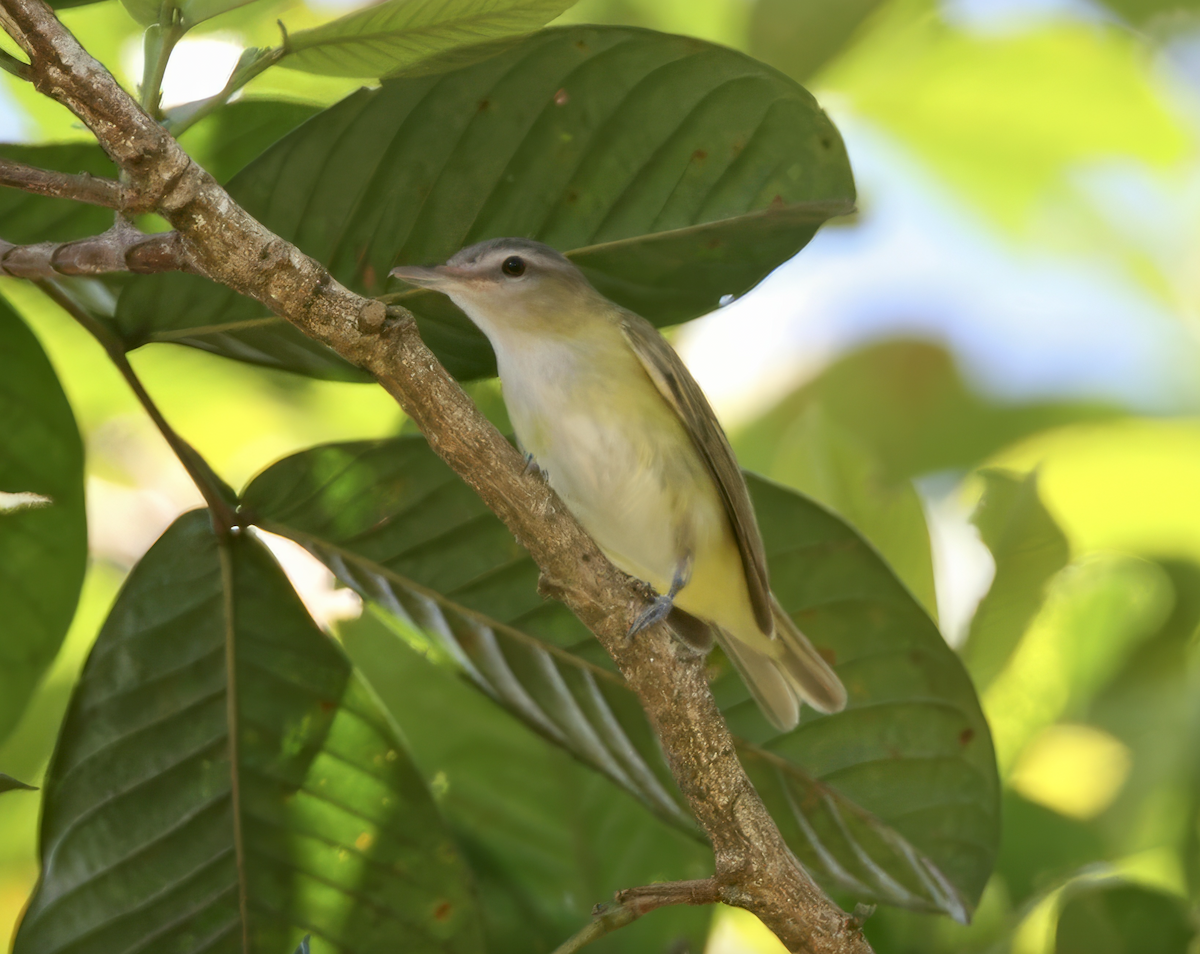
(606, 409)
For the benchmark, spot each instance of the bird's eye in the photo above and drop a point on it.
(513, 266)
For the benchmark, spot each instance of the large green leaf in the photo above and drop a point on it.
(894, 799)
(43, 531)
(539, 829)
(406, 34)
(1028, 548)
(673, 172)
(223, 781)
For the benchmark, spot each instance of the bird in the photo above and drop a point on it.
(608, 412)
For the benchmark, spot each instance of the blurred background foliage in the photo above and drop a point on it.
(990, 370)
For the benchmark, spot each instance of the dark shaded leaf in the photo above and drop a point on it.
(674, 172)
(227, 140)
(404, 35)
(1039, 848)
(1029, 549)
(895, 799)
(10, 784)
(43, 532)
(538, 828)
(224, 782)
(907, 401)
(1121, 918)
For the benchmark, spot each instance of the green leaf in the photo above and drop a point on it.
(1120, 918)
(894, 799)
(1029, 549)
(27, 218)
(829, 463)
(907, 401)
(801, 36)
(539, 829)
(237, 133)
(43, 527)
(672, 170)
(145, 12)
(10, 784)
(1152, 704)
(404, 35)
(223, 781)
(197, 11)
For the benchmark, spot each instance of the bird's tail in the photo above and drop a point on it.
(790, 672)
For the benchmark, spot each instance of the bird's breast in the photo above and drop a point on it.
(615, 452)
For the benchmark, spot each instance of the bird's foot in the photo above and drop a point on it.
(658, 610)
(531, 467)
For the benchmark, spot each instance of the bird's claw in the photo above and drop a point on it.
(656, 612)
(531, 466)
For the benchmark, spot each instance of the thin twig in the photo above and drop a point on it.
(217, 494)
(63, 185)
(631, 903)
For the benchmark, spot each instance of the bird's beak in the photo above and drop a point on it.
(439, 276)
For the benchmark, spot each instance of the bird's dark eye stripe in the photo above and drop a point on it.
(514, 266)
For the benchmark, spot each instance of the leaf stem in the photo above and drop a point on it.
(159, 42)
(18, 68)
(631, 903)
(219, 496)
(253, 62)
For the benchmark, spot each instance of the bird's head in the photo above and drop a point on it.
(512, 284)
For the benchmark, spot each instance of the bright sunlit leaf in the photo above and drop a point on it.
(1096, 612)
(1127, 485)
(1077, 770)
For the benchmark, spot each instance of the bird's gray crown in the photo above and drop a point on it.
(536, 253)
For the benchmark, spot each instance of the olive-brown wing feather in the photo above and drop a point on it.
(676, 384)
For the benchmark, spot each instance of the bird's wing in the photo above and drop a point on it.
(676, 384)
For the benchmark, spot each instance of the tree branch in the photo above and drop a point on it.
(61, 185)
(754, 868)
(121, 249)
